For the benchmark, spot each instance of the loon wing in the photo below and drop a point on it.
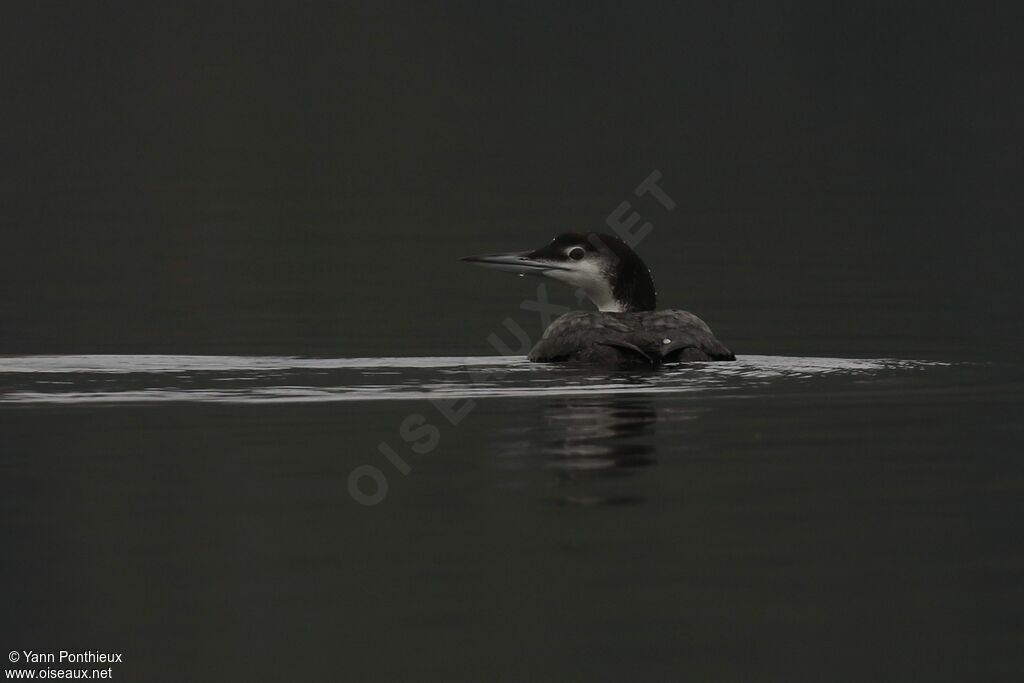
(630, 353)
(581, 335)
(682, 336)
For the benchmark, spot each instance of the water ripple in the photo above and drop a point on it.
(92, 379)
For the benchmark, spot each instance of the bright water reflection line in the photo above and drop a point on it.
(171, 363)
(97, 379)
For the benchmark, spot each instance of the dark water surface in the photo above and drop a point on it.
(777, 517)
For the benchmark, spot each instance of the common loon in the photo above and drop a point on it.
(625, 330)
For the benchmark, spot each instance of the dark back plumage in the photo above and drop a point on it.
(639, 338)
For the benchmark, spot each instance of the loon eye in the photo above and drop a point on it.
(576, 253)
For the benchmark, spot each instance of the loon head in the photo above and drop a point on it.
(602, 266)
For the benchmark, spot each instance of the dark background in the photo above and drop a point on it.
(280, 178)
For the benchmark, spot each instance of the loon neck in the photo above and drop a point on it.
(632, 287)
(619, 297)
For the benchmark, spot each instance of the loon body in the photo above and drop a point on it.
(626, 329)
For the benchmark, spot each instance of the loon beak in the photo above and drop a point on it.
(515, 262)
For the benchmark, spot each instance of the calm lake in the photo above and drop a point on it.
(717, 518)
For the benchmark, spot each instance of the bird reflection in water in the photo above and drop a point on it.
(592, 445)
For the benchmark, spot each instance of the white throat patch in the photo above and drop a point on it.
(591, 278)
